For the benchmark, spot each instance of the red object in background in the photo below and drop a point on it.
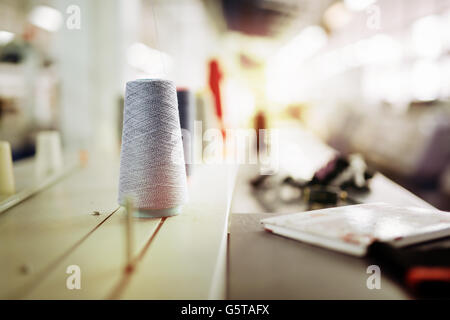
(418, 275)
(215, 76)
(29, 33)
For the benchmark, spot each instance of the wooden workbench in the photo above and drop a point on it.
(262, 265)
(267, 266)
(77, 221)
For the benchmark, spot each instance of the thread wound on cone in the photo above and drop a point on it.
(152, 169)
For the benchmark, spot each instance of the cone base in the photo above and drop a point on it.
(157, 213)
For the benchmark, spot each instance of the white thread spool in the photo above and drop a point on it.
(152, 168)
(7, 185)
(49, 159)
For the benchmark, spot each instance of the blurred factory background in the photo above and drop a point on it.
(365, 76)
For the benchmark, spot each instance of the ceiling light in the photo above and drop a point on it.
(46, 18)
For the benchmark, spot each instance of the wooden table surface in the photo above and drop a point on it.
(181, 257)
(267, 266)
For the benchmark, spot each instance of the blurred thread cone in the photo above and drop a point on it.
(186, 111)
(49, 159)
(7, 186)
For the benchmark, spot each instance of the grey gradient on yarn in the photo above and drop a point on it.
(152, 168)
(186, 110)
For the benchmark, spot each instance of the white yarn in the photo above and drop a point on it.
(152, 168)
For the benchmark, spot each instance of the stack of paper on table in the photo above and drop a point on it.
(351, 229)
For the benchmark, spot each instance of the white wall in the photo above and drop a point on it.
(89, 60)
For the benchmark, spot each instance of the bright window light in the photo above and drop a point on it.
(282, 69)
(426, 37)
(148, 60)
(379, 48)
(302, 47)
(46, 18)
(426, 81)
(358, 5)
(5, 37)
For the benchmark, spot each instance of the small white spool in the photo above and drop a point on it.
(152, 168)
(7, 185)
(49, 159)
